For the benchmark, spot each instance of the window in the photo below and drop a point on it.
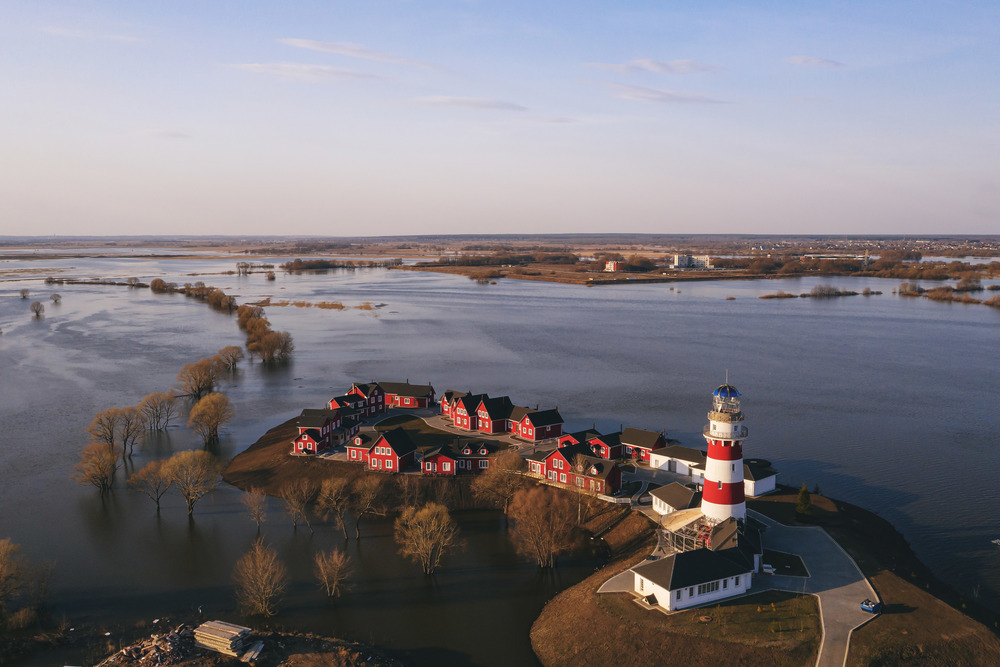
(710, 587)
(720, 486)
(388, 463)
(562, 477)
(691, 592)
(725, 583)
(736, 581)
(642, 583)
(353, 454)
(446, 466)
(732, 466)
(580, 481)
(483, 463)
(429, 466)
(679, 594)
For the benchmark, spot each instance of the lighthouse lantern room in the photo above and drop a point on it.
(722, 495)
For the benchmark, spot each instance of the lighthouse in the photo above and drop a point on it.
(722, 495)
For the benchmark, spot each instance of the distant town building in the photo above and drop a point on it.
(692, 262)
(615, 266)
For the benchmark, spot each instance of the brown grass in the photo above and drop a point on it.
(579, 627)
(919, 625)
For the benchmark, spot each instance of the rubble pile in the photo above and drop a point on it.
(160, 649)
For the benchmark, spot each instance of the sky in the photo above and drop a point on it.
(387, 117)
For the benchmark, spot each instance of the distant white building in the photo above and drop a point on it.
(614, 266)
(692, 262)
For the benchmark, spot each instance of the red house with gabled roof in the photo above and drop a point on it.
(468, 457)
(493, 415)
(464, 412)
(639, 444)
(406, 395)
(608, 446)
(392, 451)
(536, 425)
(308, 442)
(577, 437)
(350, 401)
(448, 400)
(373, 394)
(575, 466)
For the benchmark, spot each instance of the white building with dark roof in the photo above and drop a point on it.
(692, 578)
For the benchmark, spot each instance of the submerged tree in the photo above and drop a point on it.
(194, 474)
(209, 414)
(367, 500)
(98, 465)
(501, 480)
(198, 378)
(260, 580)
(151, 479)
(131, 426)
(331, 569)
(230, 356)
(25, 293)
(424, 535)
(104, 426)
(255, 501)
(158, 409)
(333, 501)
(56, 298)
(37, 308)
(296, 497)
(543, 524)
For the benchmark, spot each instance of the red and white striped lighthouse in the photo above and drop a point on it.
(722, 494)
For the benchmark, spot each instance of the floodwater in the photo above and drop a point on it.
(885, 402)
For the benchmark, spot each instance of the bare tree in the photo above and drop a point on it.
(198, 378)
(501, 480)
(424, 535)
(255, 501)
(366, 500)
(104, 427)
(209, 414)
(132, 282)
(12, 571)
(158, 408)
(25, 293)
(543, 524)
(230, 356)
(332, 568)
(56, 298)
(409, 490)
(296, 496)
(334, 500)
(37, 308)
(260, 579)
(194, 474)
(98, 465)
(131, 425)
(152, 480)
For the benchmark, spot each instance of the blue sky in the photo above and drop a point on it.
(389, 117)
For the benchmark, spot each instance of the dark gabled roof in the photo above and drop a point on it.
(471, 402)
(518, 412)
(497, 408)
(349, 399)
(349, 423)
(637, 437)
(683, 453)
(474, 447)
(365, 388)
(366, 440)
(569, 452)
(545, 418)
(582, 436)
(539, 456)
(312, 433)
(399, 440)
(602, 467)
(738, 543)
(450, 394)
(444, 450)
(609, 439)
(758, 469)
(690, 568)
(315, 418)
(407, 389)
(677, 495)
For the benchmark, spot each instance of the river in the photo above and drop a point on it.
(885, 402)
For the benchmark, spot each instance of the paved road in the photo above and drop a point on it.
(834, 578)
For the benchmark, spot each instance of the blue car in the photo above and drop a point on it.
(871, 607)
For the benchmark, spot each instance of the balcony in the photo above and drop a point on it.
(738, 433)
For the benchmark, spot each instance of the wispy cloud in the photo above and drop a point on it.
(304, 72)
(82, 34)
(813, 61)
(478, 103)
(352, 51)
(643, 94)
(659, 67)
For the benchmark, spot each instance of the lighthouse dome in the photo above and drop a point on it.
(726, 391)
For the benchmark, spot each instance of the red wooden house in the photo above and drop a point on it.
(493, 415)
(536, 425)
(607, 446)
(392, 451)
(448, 400)
(373, 394)
(308, 442)
(639, 444)
(464, 411)
(577, 438)
(468, 457)
(406, 395)
(575, 466)
(349, 401)
(316, 430)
